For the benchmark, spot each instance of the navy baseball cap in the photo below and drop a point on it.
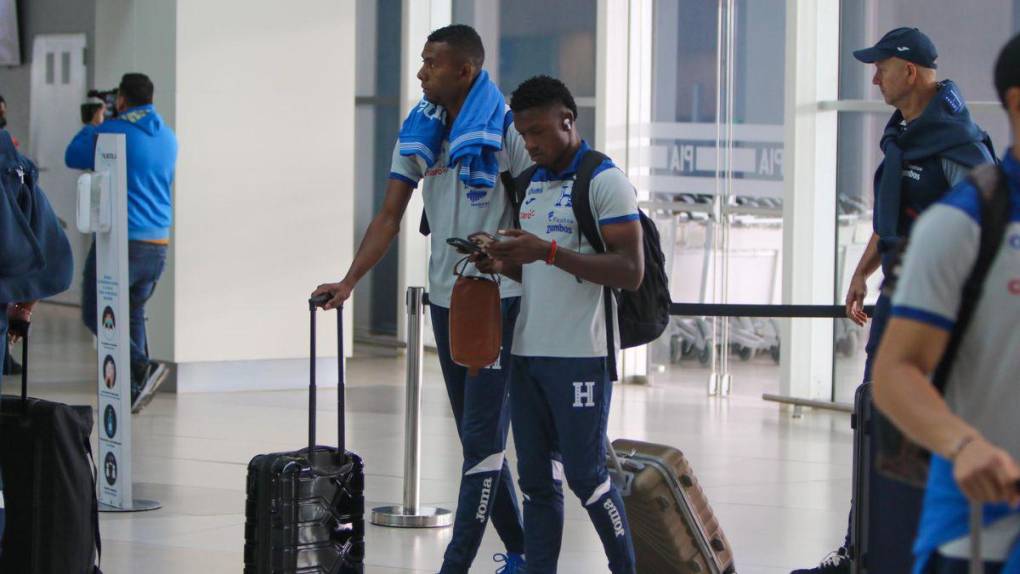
(909, 44)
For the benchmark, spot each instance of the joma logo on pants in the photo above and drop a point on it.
(614, 515)
(483, 504)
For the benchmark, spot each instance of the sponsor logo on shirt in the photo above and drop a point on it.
(529, 201)
(476, 195)
(535, 190)
(436, 171)
(559, 224)
(528, 214)
(565, 199)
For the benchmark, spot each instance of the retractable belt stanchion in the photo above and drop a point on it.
(102, 210)
(411, 514)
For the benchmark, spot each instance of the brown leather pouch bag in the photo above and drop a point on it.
(476, 323)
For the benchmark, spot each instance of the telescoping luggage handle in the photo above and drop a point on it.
(313, 303)
(976, 564)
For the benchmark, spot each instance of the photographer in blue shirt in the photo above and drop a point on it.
(151, 161)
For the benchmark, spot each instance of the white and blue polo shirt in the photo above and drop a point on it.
(984, 384)
(559, 316)
(457, 210)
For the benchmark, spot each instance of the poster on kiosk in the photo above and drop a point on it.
(102, 210)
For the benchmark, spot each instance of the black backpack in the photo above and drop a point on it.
(644, 313)
(898, 457)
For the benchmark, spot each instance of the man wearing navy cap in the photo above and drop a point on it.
(930, 144)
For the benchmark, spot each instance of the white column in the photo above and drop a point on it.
(420, 18)
(612, 65)
(613, 59)
(809, 231)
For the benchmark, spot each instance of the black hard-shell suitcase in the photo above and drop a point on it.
(305, 510)
(886, 511)
(49, 483)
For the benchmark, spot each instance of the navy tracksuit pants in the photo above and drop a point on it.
(481, 410)
(559, 408)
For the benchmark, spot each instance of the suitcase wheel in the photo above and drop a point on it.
(686, 481)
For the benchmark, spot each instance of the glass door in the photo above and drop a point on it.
(710, 169)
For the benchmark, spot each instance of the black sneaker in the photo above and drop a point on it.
(837, 562)
(143, 394)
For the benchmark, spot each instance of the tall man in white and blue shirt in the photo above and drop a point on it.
(560, 381)
(455, 143)
(973, 431)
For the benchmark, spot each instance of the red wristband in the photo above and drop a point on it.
(551, 257)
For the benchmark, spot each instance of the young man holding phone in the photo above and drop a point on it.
(561, 385)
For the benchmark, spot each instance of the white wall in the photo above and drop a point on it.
(264, 206)
(262, 99)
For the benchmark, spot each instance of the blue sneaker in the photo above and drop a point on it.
(512, 563)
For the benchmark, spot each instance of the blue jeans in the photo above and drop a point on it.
(481, 410)
(146, 262)
(560, 407)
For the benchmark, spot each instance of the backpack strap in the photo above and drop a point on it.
(580, 199)
(518, 189)
(993, 191)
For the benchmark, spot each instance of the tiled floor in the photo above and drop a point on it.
(779, 485)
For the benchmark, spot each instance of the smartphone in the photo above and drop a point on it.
(463, 245)
(482, 239)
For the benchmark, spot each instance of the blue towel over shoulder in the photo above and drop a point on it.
(475, 136)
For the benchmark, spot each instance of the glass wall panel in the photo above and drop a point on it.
(377, 120)
(713, 172)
